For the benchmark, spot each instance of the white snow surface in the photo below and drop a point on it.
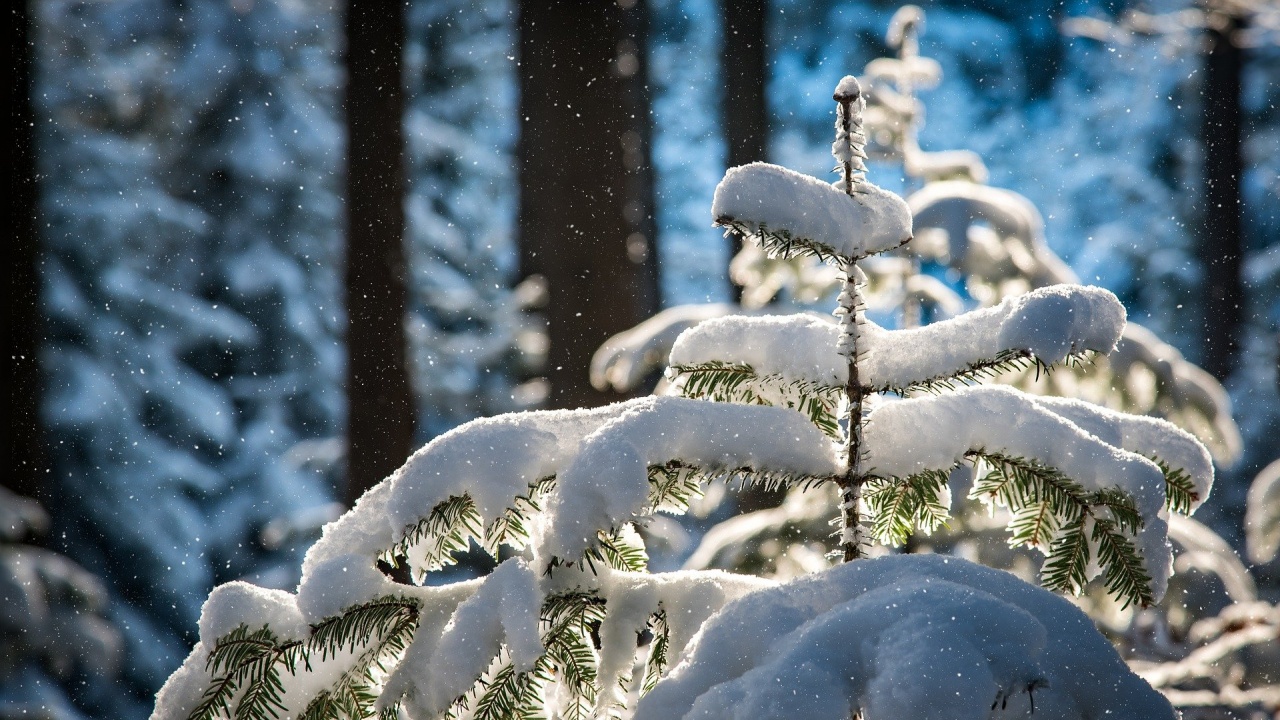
(1141, 434)
(925, 637)
(1050, 323)
(493, 460)
(761, 195)
(503, 612)
(795, 347)
(688, 598)
(933, 433)
(182, 691)
(607, 483)
(240, 603)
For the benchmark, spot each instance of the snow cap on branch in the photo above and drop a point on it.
(1144, 435)
(607, 483)
(1049, 324)
(791, 212)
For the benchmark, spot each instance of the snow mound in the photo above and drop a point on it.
(925, 637)
(769, 197)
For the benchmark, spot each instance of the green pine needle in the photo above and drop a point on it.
(740, 383)
(1122, 568)
(655, 663)
(1179, 490)
(674, 485)
(1050, 509)
(1005, 361)
(780, 243)
(897, 507)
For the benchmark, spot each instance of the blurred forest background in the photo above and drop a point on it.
(252, 271)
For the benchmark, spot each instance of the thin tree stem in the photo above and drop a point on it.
(850, 107)
(851, 483)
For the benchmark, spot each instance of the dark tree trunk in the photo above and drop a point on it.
(743, 113)
(23, 442)
(586, 188)
(1221, 238)
(380, 408)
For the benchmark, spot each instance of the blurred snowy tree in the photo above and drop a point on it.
(469, 338)
(189, 158)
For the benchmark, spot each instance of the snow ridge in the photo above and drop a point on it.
(1050, 323)
(764, 197)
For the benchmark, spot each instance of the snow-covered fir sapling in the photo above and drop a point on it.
(572, 625)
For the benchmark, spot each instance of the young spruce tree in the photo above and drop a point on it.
(571, 625)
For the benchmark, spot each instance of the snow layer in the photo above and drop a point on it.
(1050, 323)
(1146, 436)
(228, 607)
(934, 433)
(239, 603)
(688, 599)
(795, 347)
(764, 196)
(924, 637)
(493, 460)
(608, 482)
(504, 611)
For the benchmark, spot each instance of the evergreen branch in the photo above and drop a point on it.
(1050, 508)
(613, 550)
(1006, 361)
(656, 662)
(1066, 566)
(389, 623)
(446, 530)
(510, 694)
(674, 485)
(898, 506)
(238, 656)
(252, 661)
(740, 383)
(574, 621)
(1034, 525)
(780, 243)
(512, 527)
(1179, 490)
(1123, 509)
(1122, 567)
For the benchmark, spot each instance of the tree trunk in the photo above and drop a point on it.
(586, 188)
(744, 114)
(380, 408)
(23, 442)
(1221, 239)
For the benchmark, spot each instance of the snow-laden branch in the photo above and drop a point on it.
(624, 359)
(1048, 325)
(1151, 437)
(607, 483)
(909, 437)
(794, 213)
(971, 638)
